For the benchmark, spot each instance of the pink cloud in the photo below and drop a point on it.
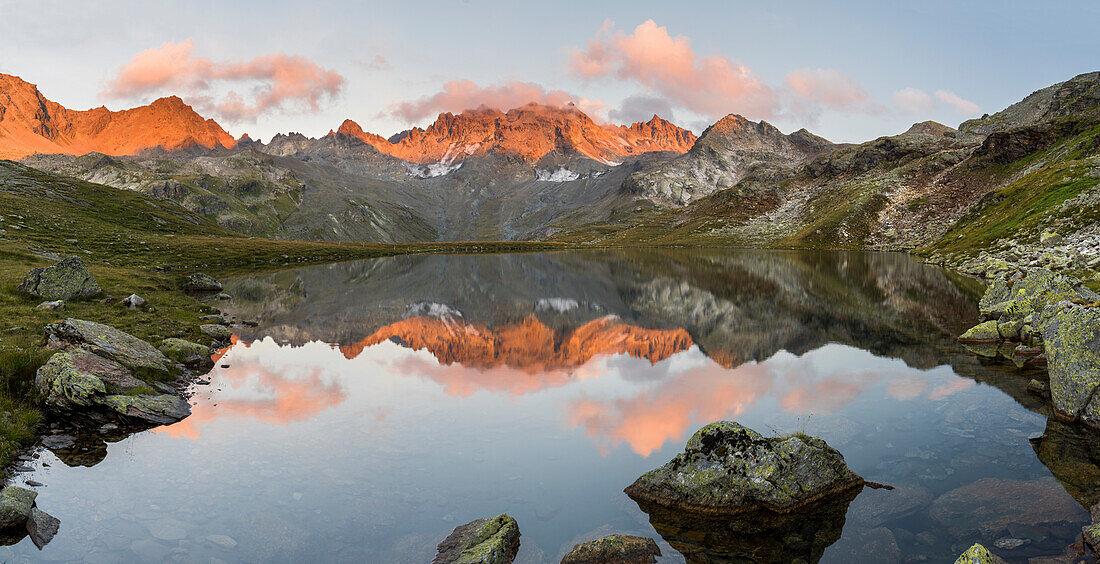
(832, 89)
(913, 100)
(713, 86)
(961, 105)
(460, 95)
(280, 82)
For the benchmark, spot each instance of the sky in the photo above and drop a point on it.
(849, 71)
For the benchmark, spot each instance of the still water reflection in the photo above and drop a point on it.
(378, 404)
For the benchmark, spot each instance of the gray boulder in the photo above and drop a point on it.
(160, 409)
(65, 280)
(187, 353)
(728, 469)
(200, 282)
(614, 549)
(15, 506)
(218, 332)
(133, 301)
(483, 541)
(56, 305)
(106, 341)
(1071, 334)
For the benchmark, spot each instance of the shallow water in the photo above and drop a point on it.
(379, 404)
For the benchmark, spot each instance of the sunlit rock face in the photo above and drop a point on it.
(30, 123)
(529, 132)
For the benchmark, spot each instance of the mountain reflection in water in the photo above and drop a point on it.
(377, 404)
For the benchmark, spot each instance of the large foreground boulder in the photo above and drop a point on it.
(106, 341)
(483, 541)
(65, 280)
(728, 469)
(1071, 335)
(614, 549)
(78, 381)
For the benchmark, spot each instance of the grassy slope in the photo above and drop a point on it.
(132, 244)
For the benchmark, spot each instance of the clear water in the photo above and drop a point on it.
(379, 404)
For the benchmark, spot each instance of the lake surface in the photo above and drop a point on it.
(378, 404)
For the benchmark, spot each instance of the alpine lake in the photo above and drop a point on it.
(368, 408)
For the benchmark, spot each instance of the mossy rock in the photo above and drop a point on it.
(728, 469)
(614, 549)
(218, 332)
(483, 541)
(65, 386)
(160, 409)
(984, 332)
(16, 504)
(139, 356)
(1071, 336)
(183, 351)
(978, 554)
(65, 280)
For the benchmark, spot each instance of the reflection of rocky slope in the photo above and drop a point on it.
(738, 306)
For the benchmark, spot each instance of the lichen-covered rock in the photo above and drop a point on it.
(1071, 335)
(219, 333)
(106, 341)
(483, 541)
(15, 506)
(614, 549)
(65, 385)
(200, 282)
(65, 280)
(728, 469)
(978, 554)
(42, 527)
(160, 409)
(183, 351)
(984, 332)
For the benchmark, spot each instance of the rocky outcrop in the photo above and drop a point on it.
(65, 280)
(614, 549)
(482, 541)
(103, 340)
(728, 469)
(77, 381)
(1044, 311)
(200, 282)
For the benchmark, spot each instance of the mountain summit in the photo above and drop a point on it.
(529, 132)
(29, 123)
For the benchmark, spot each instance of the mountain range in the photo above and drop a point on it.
(538, 172)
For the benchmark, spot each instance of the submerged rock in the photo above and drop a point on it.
(483, 541)
(978, 554)
(1072, 454)
(1072, 338)
(200, 282)
(106, 341)
(728, 469)
(614, 549)
(65, 280)
(990, 505)
(42, 527)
